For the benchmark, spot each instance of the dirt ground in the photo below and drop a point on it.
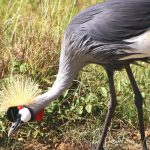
(67, 146)
(130, 142)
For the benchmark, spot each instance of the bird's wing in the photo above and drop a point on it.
(114, 20)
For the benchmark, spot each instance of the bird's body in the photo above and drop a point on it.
(105, 32)
(113, 34)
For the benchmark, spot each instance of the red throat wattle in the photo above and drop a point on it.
(38, 117)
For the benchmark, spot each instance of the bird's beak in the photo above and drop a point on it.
(14, 126)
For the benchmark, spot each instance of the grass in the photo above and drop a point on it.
(30, 40)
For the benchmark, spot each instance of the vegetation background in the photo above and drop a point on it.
(30, 39)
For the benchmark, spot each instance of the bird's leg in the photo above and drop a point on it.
(111, 109)
(138, 103)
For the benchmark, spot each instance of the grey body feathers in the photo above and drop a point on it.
(99, 32)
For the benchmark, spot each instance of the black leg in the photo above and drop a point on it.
(111, 110)
(138, 103)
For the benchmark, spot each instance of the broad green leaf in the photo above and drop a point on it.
(104, 91)
(79, 110)
(88, 108)
(35, 133)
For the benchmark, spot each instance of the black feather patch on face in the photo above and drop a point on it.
(12, 114)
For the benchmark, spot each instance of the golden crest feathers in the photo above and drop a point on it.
(19, 90)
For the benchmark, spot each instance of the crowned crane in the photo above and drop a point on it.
(113, 34)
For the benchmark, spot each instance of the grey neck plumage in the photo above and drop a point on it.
(68, 69)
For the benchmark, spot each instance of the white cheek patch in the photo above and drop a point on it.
(25, 114)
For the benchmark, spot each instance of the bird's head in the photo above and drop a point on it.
(19, 115)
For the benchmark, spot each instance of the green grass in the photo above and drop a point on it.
(30, 40)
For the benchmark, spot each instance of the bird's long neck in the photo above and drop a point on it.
(68, 69)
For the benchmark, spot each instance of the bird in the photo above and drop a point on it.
(113, 34)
